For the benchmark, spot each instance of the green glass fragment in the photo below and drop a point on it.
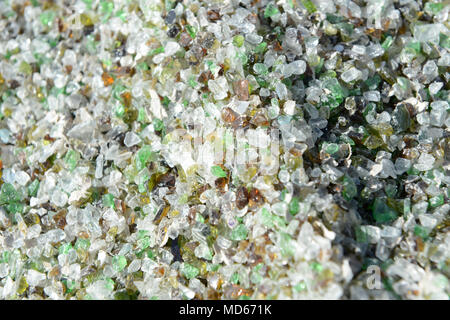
(345, 28)
(234, 278)
(126, 295)
(25, 68)
(151, 254)
(391, 190)
(91, 46)
(22, 285)
(142, 66)
(144, 155)
(15, 207)
(65, 248)
(241, 56)
(332, 148)
(88, 3)
(406, 206)
(165, 102)
(361, 235)
(287, 82)
(238, 40)
(71, 159)
(120, 111)
(142, 116)
(401, 119)
(294, 206)
(119, 263)
(4, 258)
(8, 194)
(53, 42)
(382, 213)
(189, 271)
(373, 82)
(317, 267)
(334, 18)
(266, 218)
(217, 171)
(271, 10)
(346, 139)
(412, 171)
(213, 267)
(373, 142)
(299, 287)
(69, 284)
(239, 233)
(349, 190)
(421, 232)
(329, 74)
(109, 285)
(192, 83)
(108, 201)
(260, 68)
(54, 91)
(337, 93)
(191, 31)
(47, 18)
(122, 15)
(33, 188)
(158, 125)
(82, 244)
(433, 8)
(309, 5)
(437, 201)
(255, 277)
(261, 48)
(106, 8)
(415, 45)
(387, 42)
(211, 65)
(157, 51)
(286, 244)
(444, 40)
(107, 62)
(199, 218)
(261, 82)
(117, 90)
(258, 267)
(279, 221)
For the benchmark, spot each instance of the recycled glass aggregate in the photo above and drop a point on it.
(100, 199)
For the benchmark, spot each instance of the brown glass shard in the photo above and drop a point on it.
(60, 219)
(259, 119)
(221, 183)
(242, 197)
(166, 180)
(213, 15)
(126, 96)
(205, 76)
(107, 79)
(255, 198)
(228, 115)
(241, 89)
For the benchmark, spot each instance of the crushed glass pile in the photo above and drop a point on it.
(336, 114)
